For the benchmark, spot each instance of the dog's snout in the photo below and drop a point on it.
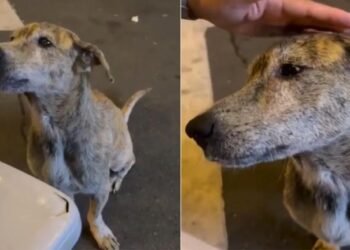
(201, 129)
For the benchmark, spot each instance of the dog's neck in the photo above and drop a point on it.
(69, 109)
(329, 165)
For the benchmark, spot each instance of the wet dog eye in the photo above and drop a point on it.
(44, 42)
(289, 70)
(12, 38)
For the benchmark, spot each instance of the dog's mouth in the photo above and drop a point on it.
(248, 159)
(13, 85)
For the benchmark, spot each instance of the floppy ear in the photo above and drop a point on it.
(91, 55)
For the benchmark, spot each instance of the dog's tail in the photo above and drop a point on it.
(130, 103)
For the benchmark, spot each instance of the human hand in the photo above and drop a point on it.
(271, 17)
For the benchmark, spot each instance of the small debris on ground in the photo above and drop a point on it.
(135, 19)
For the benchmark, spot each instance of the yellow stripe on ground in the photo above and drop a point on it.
(8, 17)
(202, 203)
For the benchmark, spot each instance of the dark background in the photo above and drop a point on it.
(144, 214)
(255, 216)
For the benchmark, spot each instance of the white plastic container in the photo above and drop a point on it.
(34, 215)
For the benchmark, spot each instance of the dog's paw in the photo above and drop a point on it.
(104, 237)
(322, 245)
(108, 242)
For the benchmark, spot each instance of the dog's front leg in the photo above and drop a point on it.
(25, 113)
(101, 232)
(322, 245)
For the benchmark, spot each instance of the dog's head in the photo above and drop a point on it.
(42, 57)
(296, 99)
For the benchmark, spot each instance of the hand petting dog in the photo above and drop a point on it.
(270, 17)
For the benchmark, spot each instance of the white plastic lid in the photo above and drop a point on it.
(34, 215)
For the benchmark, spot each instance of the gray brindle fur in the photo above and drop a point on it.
(77, 139)
(295, 103)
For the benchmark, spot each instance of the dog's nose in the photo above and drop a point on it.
(201, 128)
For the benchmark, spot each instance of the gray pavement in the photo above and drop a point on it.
(144, 215)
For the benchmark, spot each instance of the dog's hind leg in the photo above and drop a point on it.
(322, 245)
(117, 176)
(101, 232)
(116, 183)
(116, 179)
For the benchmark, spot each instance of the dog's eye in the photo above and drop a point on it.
(12, 38)
(44, 42)
(289, 70)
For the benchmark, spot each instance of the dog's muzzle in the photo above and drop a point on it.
(201, 128)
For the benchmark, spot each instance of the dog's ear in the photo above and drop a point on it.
(90, 55)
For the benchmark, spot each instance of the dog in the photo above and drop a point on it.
(295, 103)
(77, 139)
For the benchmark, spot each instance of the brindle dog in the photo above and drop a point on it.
(296, 103)
(77, 139)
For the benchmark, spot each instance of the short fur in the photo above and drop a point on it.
(305, 116)
(77, 139)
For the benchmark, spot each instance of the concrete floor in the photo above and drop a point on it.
(202, 215)
(145, 213)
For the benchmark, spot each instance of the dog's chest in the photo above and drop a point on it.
(79, 163)
(86, 158)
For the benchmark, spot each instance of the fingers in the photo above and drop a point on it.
(278, 17)
(312, 14)
(255, 29)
